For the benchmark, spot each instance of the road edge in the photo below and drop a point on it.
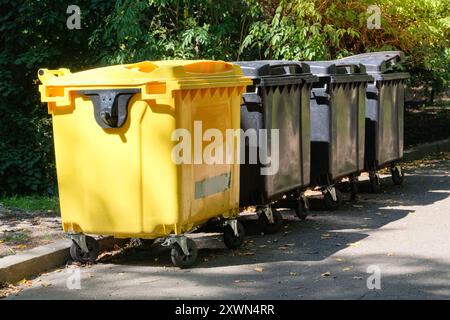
(33, 262)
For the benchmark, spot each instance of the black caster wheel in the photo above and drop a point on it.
(375, 183)
(353, 189)
(271, 228)
(182, 260)
(84, 257)
(397, 175)
(230, 239)
(330, 203)
(301, 209)
(147, 243)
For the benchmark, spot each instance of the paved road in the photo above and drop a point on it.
(403, 233)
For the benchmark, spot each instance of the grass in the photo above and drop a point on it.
(31, 203)
(16, 237)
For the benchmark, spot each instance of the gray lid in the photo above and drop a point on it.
(335, 68)
(277, 72)
(264, 68)
(377, 61)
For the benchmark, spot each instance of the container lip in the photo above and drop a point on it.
(286, 79)
(347, 78)
(264, 68)
(379, 76)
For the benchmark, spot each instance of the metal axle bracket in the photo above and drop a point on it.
(181, 240)
(267, 210)
(80, 240)
(233, 224)
(331, 190)
(305, 202)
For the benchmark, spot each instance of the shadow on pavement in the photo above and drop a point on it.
(321, 235)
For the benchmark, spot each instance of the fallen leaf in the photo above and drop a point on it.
(121, 274)
(339, 259)
(390, 254)
(292, 273)
(326, 274)
(357, 278)
(46, 284)
(247, 253)
(354, 244)
(346, 269)
(357, 206)
(26, 282)
(58, 270)
(259, 269)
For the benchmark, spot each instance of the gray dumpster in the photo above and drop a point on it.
(337, 125)
(278, 99)
(384, 114)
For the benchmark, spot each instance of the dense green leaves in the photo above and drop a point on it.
(33, 34)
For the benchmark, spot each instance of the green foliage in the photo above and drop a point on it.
(297, 31)
(318, 29)
(33, 34)
(169, 29)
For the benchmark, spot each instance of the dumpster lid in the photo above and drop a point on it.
(141, 73)
(377, 62)
(272, 72)
(339, 71)
(335, 68)
(264, 68)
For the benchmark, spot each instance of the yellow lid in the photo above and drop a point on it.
(140, 73)
(172, 74)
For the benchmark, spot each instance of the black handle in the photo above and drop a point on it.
(110, 105)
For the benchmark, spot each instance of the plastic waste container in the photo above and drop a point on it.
(276, 105)
(384, 114)
(118, 132)
(337, 126)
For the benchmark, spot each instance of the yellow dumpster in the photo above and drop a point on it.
(133, 151)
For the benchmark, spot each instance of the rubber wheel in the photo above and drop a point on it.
(397, 178)
(353, 189)
(181, 260)
(375, 184)
(230, 239)
(301, 209)
(271, 228)
(84, 257)
(331, 204)
(147, 243)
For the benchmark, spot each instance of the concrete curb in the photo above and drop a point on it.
(422, 150)
(41, 259)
